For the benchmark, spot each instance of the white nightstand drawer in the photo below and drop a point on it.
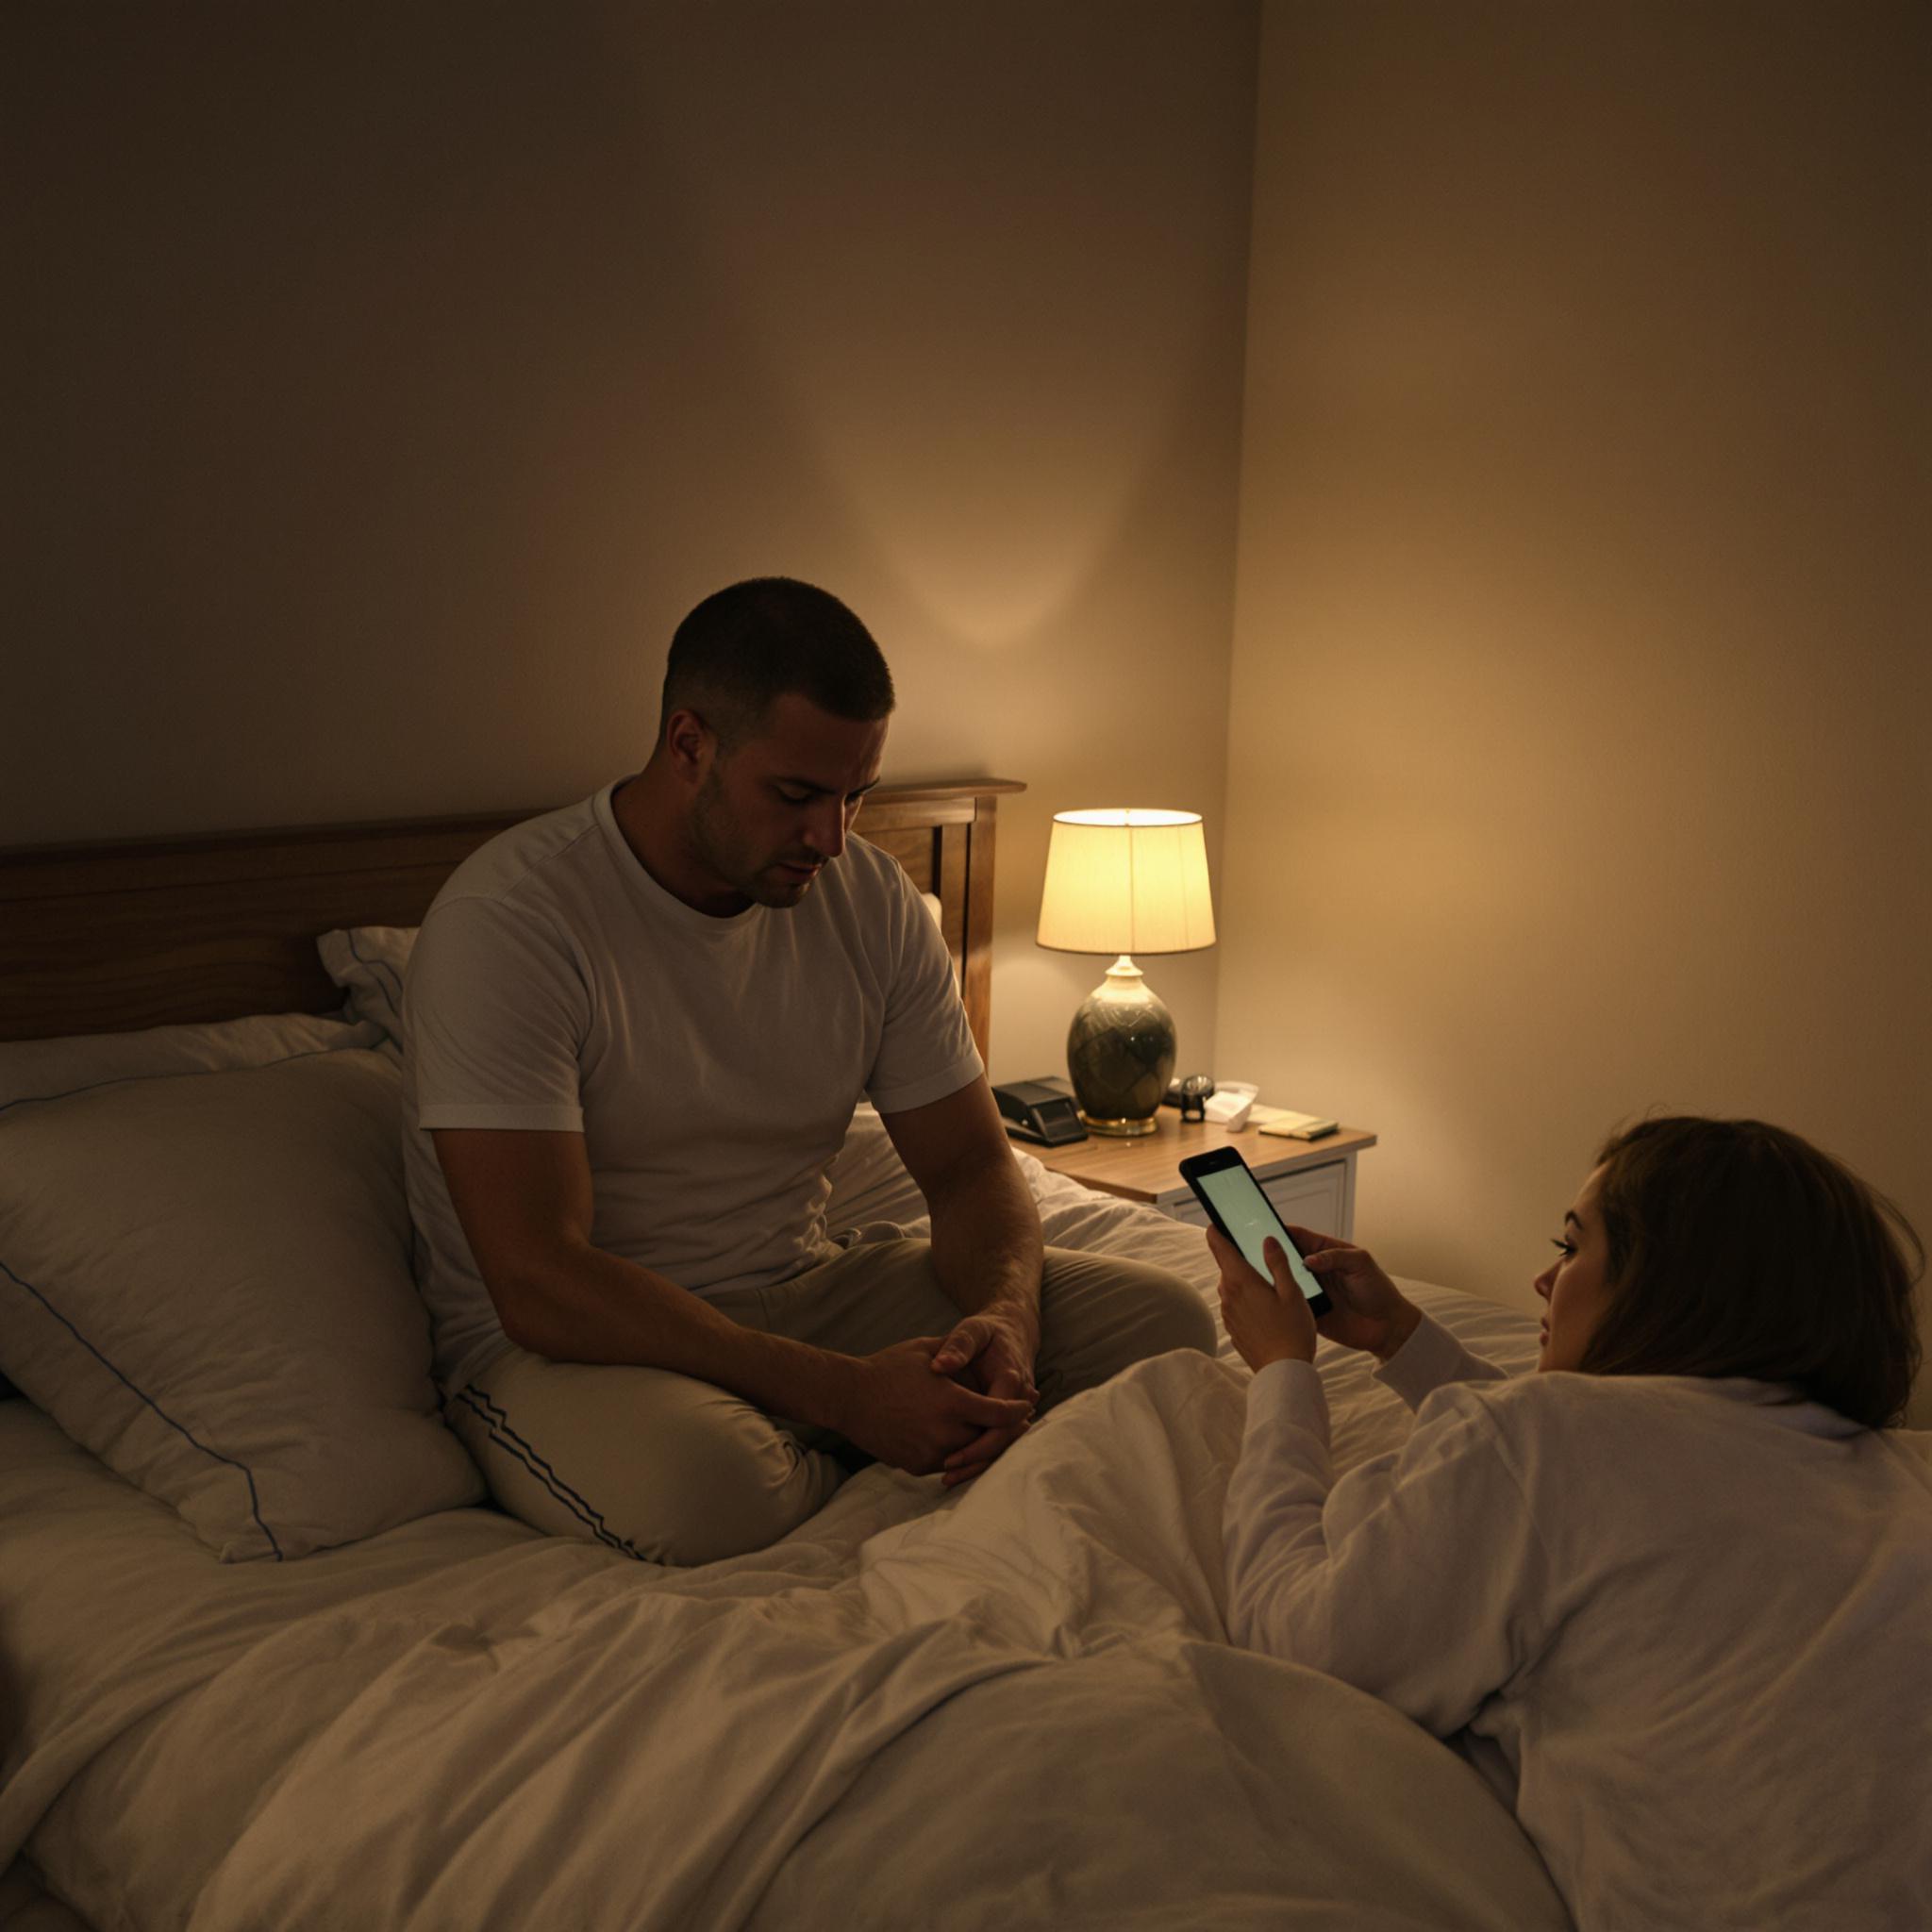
(1312, 1186)
(1315, 1197)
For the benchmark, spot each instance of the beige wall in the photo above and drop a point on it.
(387, 382)
(1581, 698)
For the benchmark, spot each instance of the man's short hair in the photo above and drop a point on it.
(746, 645)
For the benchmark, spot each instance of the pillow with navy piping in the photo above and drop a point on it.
(205, 1280)
(368, 963)
(39, 1068)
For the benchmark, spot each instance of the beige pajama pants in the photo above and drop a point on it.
(676, 1471)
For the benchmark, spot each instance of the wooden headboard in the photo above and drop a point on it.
(103, 937)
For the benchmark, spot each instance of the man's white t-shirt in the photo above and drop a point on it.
(712, 1065)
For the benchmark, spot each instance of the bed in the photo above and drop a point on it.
(1010, 1705)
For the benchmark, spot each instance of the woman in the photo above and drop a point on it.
(1672, 1593)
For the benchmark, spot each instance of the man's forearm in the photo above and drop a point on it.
(985, 1241)
(583, 1305)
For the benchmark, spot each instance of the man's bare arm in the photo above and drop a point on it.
(985, 1241)
(987, 1251)
(525, 1202)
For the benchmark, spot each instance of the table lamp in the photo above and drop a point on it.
(1124, 880)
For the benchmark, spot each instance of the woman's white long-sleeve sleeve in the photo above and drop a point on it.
(1420, 1578)
(1682, 1621)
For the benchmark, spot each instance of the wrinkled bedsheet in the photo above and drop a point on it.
(1009, 1706)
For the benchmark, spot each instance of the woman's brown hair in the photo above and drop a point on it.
(1739, 1249)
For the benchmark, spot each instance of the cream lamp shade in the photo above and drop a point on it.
(1126, 880)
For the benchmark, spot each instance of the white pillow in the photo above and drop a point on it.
(368, 963)
(205, 1279)
(869, 1181)
(41, 1069)
(38, 1069)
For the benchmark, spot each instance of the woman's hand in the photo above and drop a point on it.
(1370, 1312)
(1267, 1320)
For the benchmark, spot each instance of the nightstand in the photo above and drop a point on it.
(1312, 1183)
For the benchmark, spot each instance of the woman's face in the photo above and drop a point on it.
(1575, 1284)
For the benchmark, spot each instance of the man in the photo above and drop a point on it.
(637, 1029)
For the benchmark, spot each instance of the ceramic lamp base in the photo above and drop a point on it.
(1121, 1054)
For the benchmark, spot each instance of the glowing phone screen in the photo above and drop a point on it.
(1249, 1219)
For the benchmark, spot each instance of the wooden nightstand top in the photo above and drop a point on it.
(1148, 1168)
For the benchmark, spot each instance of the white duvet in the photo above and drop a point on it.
(1011, 1707)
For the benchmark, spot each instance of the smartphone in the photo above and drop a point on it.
(1226, 1186)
